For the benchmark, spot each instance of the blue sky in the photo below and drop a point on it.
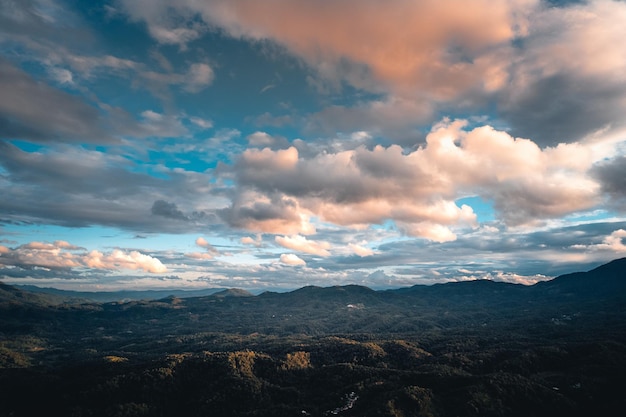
(277, 144)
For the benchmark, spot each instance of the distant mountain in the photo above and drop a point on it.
(109, 296)
(232, 292)
(11, 296)
(605, 282)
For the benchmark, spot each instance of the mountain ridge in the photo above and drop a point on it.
(607, 280)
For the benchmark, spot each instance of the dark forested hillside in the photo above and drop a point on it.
(478, 348)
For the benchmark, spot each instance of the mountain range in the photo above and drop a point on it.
(474, 348)
(608, 280)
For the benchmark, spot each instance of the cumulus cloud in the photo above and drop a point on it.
(360, 250)
(167, 209)
(210, 253)
(302, 244)
(257, 241)
(62, 255)
(119, 259)
(291, 259)
(417, 189)
(263, 213)
(615, 243)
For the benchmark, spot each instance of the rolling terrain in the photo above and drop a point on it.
(478, 348)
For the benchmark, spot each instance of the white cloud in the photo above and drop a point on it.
(613, 243)
(291, 259)
(257, 241)
(359, 250)
(120, 259)
(302, 244)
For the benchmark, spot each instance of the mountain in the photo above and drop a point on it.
(605, 281)
(233, 292)
(109, 296)
(11, 297)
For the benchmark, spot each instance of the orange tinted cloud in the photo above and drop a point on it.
(438, 47)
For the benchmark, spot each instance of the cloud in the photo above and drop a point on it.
(247, 240)
(395, 117)
(210, 253)
(360, 45)
(359, 250)
(202, 123)
(165, 27)
(169, 210)
(566, 80)
(418, 189)
(119, 259)
(32, 110)
(291, 259)
(302, 244)
(62, 255)
(72, 170)
(553, 73)
(612, 176)
(263, 213)
(199, 76)
(260, 139)
(76, 187)
(614, 243)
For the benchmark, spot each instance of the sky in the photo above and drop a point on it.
(281, 143)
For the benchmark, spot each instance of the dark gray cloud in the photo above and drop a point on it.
(612, 177)
(30, 109)
(169, 210)
(75, 171)
(564, 108)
